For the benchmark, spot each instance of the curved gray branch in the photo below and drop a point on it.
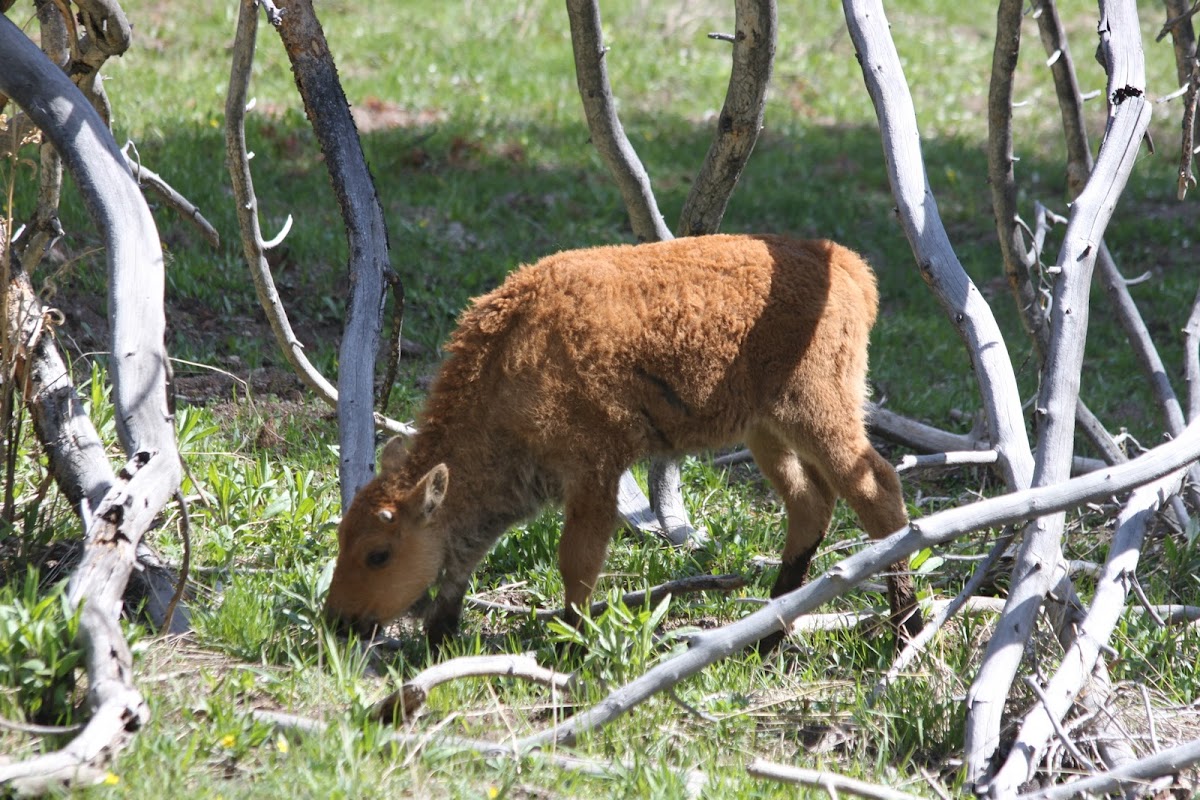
(1019, 262)
(144, 422)
(366, 232)
(939, 266)
(1083, 657)
(253, 246)
(1129, 777)
(608, 137)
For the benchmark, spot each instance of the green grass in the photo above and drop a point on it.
(491, 167)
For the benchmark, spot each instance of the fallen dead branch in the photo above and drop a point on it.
(707, 647)
(1096, 628)
(831, 782)
(404, 702)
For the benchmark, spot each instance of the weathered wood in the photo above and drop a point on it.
(830, 782)
(404, 702)
(140, 374)
(366, 233)
(1083, 656)
(1040, 566)
(253, 246)
(608, 135)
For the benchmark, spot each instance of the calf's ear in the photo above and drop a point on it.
(430, 491)
(393, 455)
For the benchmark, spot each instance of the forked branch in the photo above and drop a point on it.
(253, 245)
(1039, 566)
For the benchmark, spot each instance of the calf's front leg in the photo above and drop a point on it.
(589, 518)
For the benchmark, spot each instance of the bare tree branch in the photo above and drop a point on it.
(831, 782)
(1083, 656)
(151, 180)
(1187, 70)
(939, 266)
(253, 245)
(1079, 167)
(144, 422)
(366, 233)
(739, 122)
(608, 137)
(1020, 263)
(1040, 566)
(1191, 359)
(1128, 777)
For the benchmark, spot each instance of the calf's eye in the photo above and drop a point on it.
(377, 558)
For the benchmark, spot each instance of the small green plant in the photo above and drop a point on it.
(38, 657)
(620, 643)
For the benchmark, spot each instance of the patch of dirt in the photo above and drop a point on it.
(373, 114)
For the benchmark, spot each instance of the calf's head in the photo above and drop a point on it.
(390, 545)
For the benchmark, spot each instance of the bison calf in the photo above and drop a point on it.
(588, 360)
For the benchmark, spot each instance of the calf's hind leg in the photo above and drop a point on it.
(809, 502)
(869, 484)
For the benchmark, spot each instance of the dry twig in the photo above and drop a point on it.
(403, 703)
(831, 782)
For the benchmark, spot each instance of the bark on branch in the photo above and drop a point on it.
(253, 245)
(130, 501)
(366, 233)
(739, 122)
